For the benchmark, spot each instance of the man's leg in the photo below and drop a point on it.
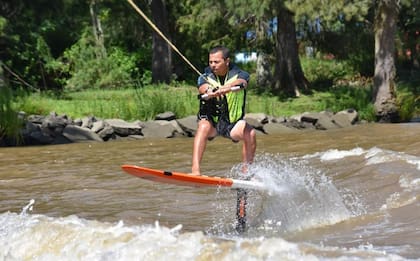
(246, 133)
(205, 130)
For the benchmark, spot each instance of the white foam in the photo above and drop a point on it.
(335, 154)
(373, 156)
(39, 237)
(377, 156)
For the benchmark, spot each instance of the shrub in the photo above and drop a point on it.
(323, 73)
(10, 123)
(88, 67)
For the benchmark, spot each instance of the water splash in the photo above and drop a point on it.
(298, 197)
(28, 208)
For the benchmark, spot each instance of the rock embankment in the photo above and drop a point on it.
(61, 129)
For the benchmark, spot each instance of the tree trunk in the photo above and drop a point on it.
(288, 76)
(263, 71)
(97, 29)
(161, 60)
(264, 75)
(2, 82)
(384, 95)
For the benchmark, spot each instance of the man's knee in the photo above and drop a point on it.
(205, 127)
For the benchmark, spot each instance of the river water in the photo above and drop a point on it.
(348, 194)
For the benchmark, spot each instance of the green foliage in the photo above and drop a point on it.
(407, 106)
(325, 72)
(3, 22)
(88, 68)
(329, 11)
(408, 96)
(10, 123)
(351, 97)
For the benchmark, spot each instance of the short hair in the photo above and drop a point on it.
(219, 48)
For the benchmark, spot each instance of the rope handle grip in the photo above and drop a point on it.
(210, 95)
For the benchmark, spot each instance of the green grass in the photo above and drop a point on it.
(145, 103)
(128, 104)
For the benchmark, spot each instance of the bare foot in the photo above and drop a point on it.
(194, 174)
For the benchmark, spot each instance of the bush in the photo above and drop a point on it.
(10, 123)
(406, 103)
(87, 66)
(323, 73)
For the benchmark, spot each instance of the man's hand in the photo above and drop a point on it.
(221, 91)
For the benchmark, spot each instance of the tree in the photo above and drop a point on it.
(409, 24)
(384, 89)
(35, 34)
(252, 16)
(162, 60)
(2, 25)
(289, 77)
(97, 28)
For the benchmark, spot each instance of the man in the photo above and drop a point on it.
(222, 112)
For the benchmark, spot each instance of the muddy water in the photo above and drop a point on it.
(349, 193)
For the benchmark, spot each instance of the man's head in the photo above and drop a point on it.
(219, 60)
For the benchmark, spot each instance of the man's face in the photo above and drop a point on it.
(218, 64)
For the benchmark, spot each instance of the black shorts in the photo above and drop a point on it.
(223, 127)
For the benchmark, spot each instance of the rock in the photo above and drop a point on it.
(277, 128)
(188, 125)
(54, 124)
(296, 124)
(38, 138)
(123, 128)
(345, 118)
(166, 116)
(321, 120)
(259, 117)
(78, 122)
(159, 129)
(78, 134)
(256, 120)
(60, 129)
(98, 126)
(106, 133)
(36, 119)
(61, 139)
(279, 120)
(87, 122)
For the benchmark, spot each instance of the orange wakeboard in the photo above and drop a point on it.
(184, 179)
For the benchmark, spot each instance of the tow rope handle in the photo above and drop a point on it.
(207, 96)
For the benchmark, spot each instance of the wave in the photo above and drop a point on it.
(373, 155)
(28, 236)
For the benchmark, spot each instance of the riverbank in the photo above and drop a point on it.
(60, 129)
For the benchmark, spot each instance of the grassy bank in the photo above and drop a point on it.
(144, 103)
